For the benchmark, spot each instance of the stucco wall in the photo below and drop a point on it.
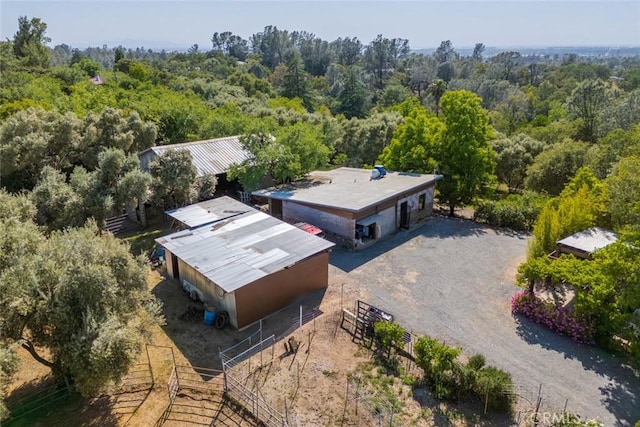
(386, 222)
(413, 204)
(271, 293)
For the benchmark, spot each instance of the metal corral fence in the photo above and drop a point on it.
(236, 373)
(138, 379)
(22, 406)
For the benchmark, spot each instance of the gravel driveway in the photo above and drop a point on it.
(452, 279)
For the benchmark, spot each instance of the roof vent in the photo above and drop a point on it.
(375, 174)
(381, 170)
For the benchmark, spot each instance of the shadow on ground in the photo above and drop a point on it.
(201, 344)
(621, 397)
(206, 409)
(435, 228)
(83, 411)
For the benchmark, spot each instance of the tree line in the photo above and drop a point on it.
(555, 136)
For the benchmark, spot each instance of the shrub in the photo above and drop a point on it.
(476, 362)
(558, 319)
(388, 334)
(450, 380)
(518, 212)
(494, 387)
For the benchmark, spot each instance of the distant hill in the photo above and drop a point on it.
(549, 51)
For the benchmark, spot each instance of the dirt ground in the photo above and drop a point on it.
(314, 387)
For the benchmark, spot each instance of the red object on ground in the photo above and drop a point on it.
(311, 229)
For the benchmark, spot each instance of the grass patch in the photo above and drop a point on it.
(144, 241)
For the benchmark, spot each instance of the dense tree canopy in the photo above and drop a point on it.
(69, 140)
(466, 158)
(76, 294)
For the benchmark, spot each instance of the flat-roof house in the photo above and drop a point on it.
(584, 243)
(242, 260)
(356, 206)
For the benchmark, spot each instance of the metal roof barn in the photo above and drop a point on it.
(241, 247)
(212, 156)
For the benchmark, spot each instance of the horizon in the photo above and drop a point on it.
(179, 24)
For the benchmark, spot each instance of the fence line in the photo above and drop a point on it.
(231, 352)
(32, 402)
(252, 401)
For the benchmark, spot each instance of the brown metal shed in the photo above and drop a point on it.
(242, 260)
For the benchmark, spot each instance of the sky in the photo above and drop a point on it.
(182, 23)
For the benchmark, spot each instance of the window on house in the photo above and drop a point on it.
(421, 201)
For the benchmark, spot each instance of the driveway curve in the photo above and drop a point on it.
(453, 279)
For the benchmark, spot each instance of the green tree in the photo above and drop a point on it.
(512, 111)
(438, 362)
(381, 57)
(437, 89)
(206, 185)
(277, 159)
(422, 71)
(273, 45)
(465, 157)
(174, 179)
(362, 140)
(414, 146)
(57, 202)
(445, 52)
(555, 166)
(353, 99)
(624, 193)
(295, 83)
(586, 103)
(230, 44)
(581, 205)
(32, 139)
(478, 50)
(29, 43)
(84, 305)
(348, 51)
(514, 156)
(508, 62)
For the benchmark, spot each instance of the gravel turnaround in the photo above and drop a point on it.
(453, 279)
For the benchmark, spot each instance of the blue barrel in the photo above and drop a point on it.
(209, 317)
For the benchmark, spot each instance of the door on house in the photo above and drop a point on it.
(276, 208)
(404, 215)
(174, 265)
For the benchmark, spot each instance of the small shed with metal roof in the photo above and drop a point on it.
(356, 206)
(243, 261)
(584, 243)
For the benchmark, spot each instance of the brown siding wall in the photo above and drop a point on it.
(271, 293)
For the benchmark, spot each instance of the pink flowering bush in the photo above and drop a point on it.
(559, 319)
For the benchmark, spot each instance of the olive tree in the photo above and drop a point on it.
(76, 301)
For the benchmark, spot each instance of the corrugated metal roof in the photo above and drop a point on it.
(213, 156)
(349, 188)
(240, 248)
(208, 211)
(590, 240)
